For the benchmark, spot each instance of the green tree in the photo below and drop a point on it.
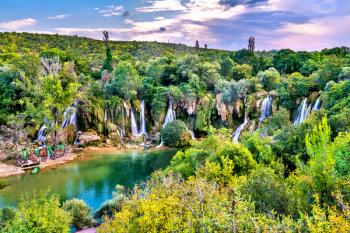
(175, 134)
(269, 78)
(125, 82)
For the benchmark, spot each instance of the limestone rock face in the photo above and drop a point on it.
(67, 135)
(222, 108)
(87, 138)
(189, 104)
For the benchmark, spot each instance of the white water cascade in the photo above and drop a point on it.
(171, 114)
(142, 120)
(266, 108)
(123, 122)
(237, 133)
(303, 112)
(317, 105)
(41, 136)
(70, 116)
(134, 129)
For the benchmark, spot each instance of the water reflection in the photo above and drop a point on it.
(91, 180)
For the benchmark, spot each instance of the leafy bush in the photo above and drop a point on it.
(6, 215)
(41, 213)
(341, 150)
(79, 211)
(242, 158)
(269, 78)
(267, 190)
(175, 134)
(110, 207)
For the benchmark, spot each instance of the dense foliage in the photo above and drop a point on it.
(282, 176)
(175, 134)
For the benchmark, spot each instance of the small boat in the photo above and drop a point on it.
(35, 170)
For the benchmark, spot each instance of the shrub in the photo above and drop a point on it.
(175, 134)
(110, 207)
(41, 213)
(6, 215)
(80, 212)
(242, 158)
(3, 183)
(266, 190)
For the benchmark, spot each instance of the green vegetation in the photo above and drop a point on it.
(79, 211)
(175, 134)
(40, 213)
(279, 177)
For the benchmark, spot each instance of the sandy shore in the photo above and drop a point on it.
(73, 155)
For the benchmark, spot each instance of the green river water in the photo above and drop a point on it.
(92, 180)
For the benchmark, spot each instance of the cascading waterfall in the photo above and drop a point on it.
(237, 133)
(142, 120)
(70, 116)
(171, 114)
(41, 136)
(303, 112)
(317, 105)
(134, 129)
(266, 108)
(123, 122)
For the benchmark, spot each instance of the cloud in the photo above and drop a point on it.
(58, 17)
(126, 14)
(242, 2)
(17, 24)
(318, 33)
(162, 5)
(111, 10)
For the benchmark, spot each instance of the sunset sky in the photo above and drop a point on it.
(224, 24)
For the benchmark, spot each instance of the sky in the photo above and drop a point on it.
(222, 24)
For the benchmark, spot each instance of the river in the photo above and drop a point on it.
(92, 179)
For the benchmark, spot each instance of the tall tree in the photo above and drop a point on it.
(107, 65)
(251, 44)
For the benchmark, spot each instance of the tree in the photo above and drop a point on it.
(175, 134)
(269, 78)
(226, 70)
(321, 166)
(107, 65)
(125, 82)
(251, 44)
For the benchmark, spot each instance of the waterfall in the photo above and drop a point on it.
(142, 120)
(266, 108)
(303, 112)
(41, 136)
(105, 116)
(171, 114)
(317, 105)
(237, 133)
(70, 116)
(134, 130)
(123, 122)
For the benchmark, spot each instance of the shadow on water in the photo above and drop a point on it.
(92, 180)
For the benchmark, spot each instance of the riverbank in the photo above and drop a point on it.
(9, 169)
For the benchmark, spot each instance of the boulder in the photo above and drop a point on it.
(67, 135)
(88, 138)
